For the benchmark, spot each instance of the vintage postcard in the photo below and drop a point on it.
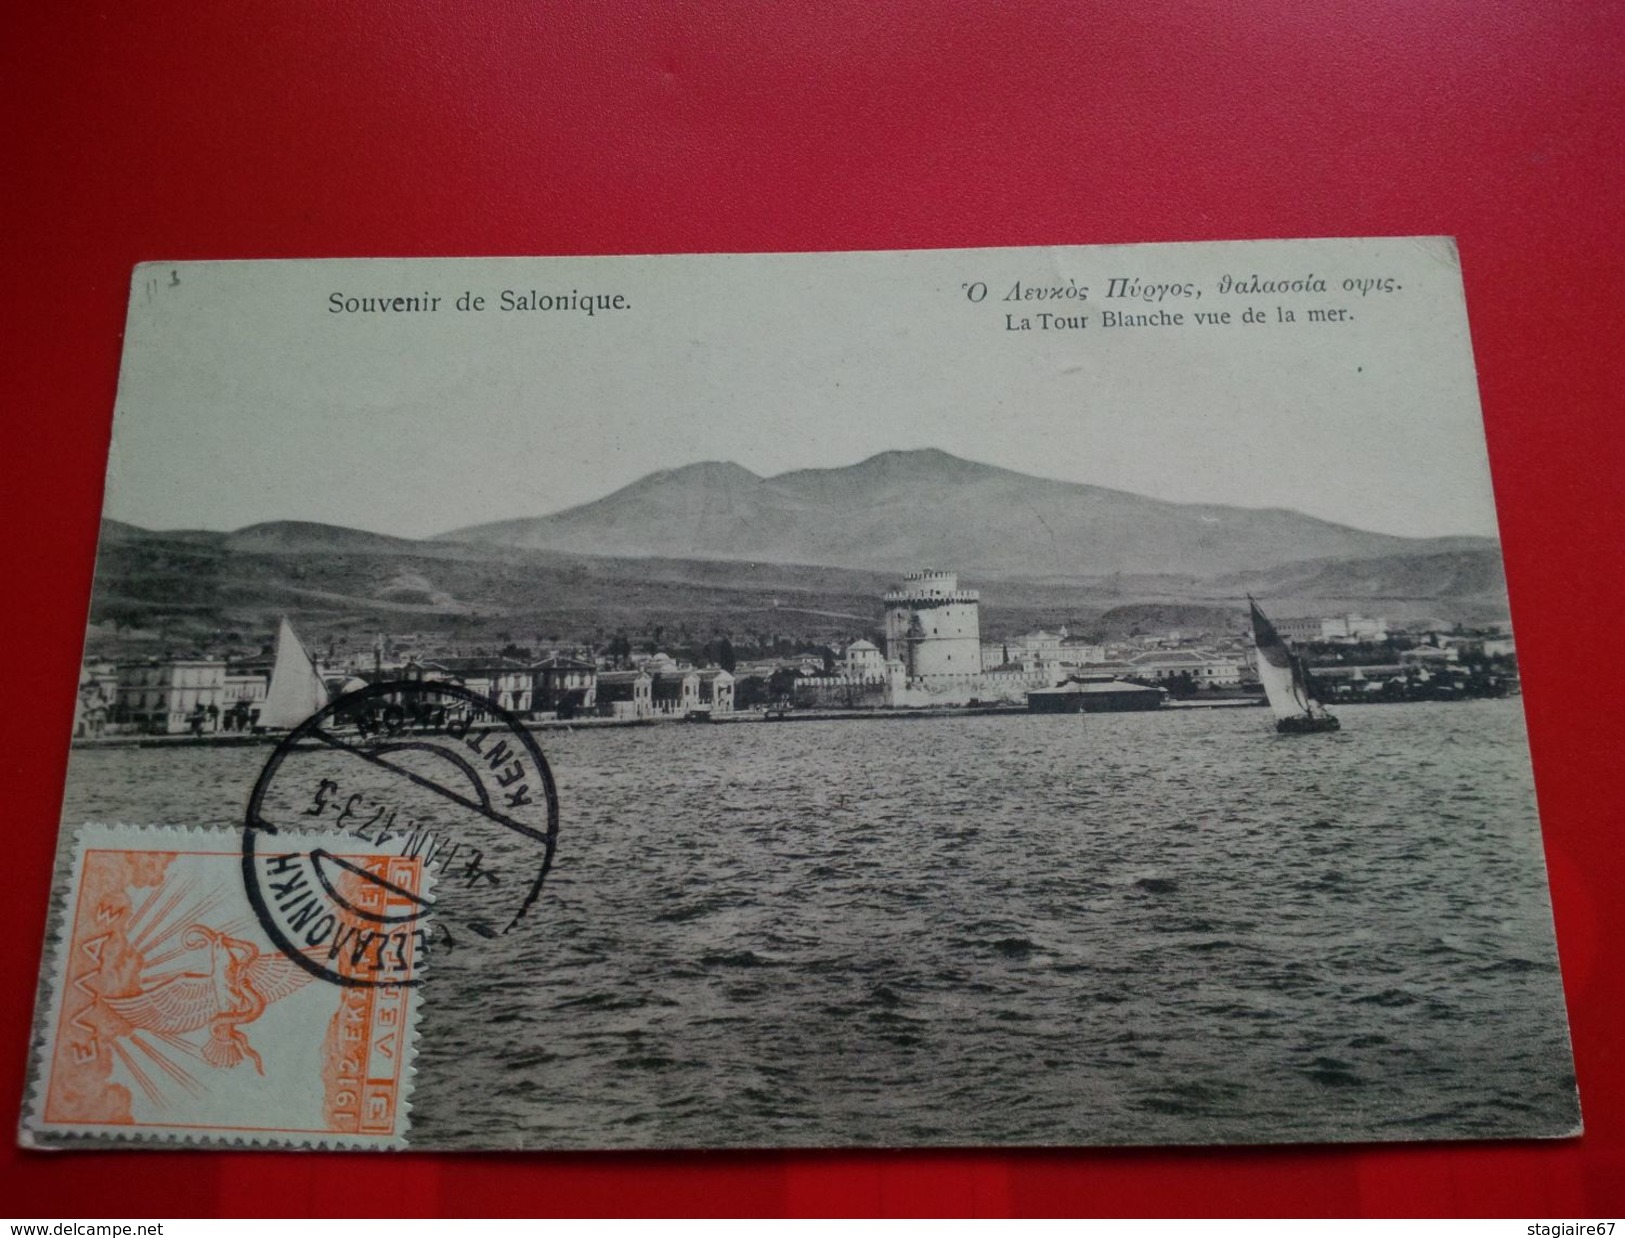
(972, 697)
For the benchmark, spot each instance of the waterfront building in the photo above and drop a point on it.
(842, 691)
(862, 679)
(1352, 627)
(1039, 649)
(995, 654)
(102, 672)
(625, 694)
(1079, 653)
(1301, 628)
(243, 693)
(563, 685)
(674, 692)
(717, 690)
(90, 710)
(170, 696)
(864, 660)
(94, 703)
(1347, 627)
(414, 671)
(504, 682)
(1203, 668)
(1034, 651)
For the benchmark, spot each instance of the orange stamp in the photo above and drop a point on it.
(171, 1016)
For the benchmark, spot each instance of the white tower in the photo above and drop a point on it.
(933, 627)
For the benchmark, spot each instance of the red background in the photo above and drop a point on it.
(272, 128)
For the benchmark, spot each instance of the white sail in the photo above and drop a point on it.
(1280, 672)
(1279, 688)
(297, 691)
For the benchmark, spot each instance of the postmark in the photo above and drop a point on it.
(418, 769)
(172, 1017)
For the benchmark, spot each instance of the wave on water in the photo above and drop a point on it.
(1136, 928)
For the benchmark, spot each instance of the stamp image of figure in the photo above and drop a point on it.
(231, 985)
(171, 1015)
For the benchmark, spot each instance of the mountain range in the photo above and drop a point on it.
(905, 509)
(714, 547)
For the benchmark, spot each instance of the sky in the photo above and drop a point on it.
(244, 397)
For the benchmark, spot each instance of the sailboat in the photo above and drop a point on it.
(1286, 682)
(297, 691)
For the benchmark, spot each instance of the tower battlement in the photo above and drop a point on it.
(931, 586)
(931, 598)
(933, 627)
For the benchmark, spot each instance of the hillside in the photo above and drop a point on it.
(902, 509)
(306, 537)
(341, 586)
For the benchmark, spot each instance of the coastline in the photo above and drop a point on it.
(252, 739)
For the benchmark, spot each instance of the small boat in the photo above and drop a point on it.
(1286, 682)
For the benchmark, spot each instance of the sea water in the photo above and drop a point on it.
(1133, 928)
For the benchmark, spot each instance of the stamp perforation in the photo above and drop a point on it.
(176, 1058)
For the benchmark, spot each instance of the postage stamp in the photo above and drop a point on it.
(173, 1016)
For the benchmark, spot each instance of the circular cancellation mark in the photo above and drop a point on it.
(427, 797)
